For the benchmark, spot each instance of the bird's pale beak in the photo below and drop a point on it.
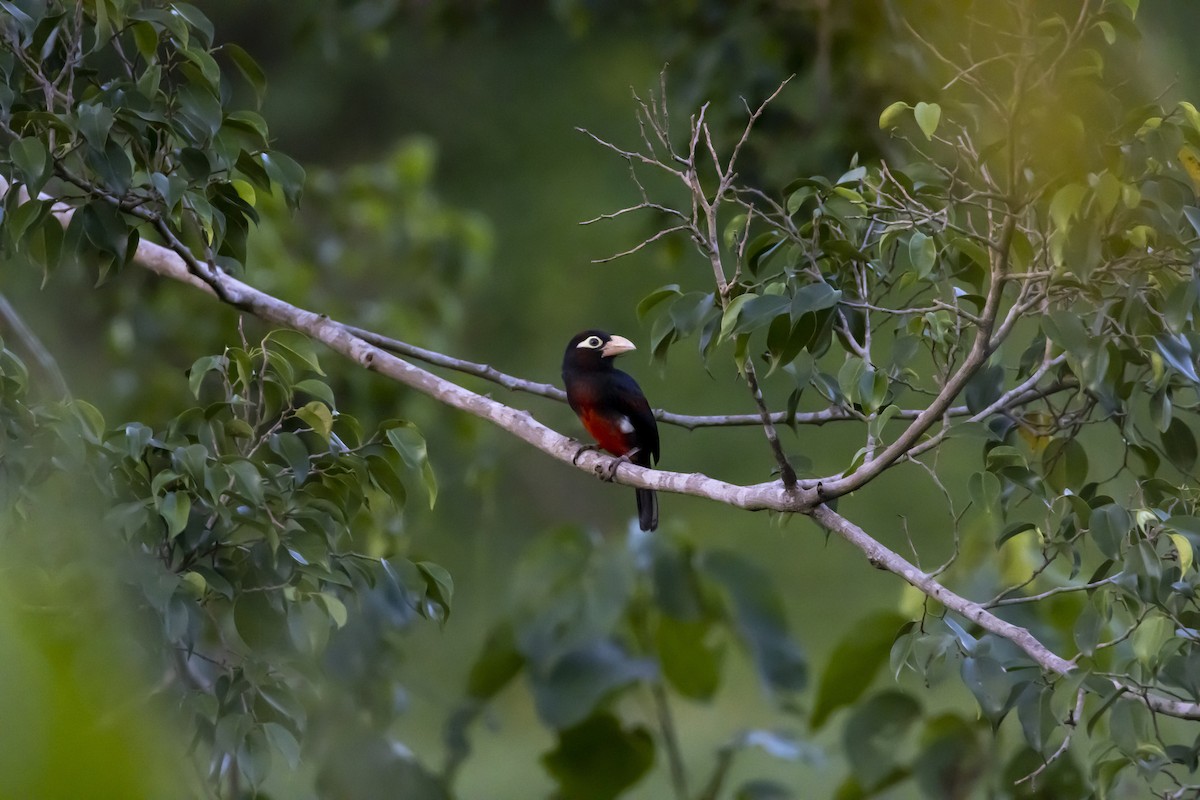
(615, 346)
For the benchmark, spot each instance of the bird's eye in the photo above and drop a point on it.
(591, 342)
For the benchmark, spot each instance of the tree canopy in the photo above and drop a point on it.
(956, 331)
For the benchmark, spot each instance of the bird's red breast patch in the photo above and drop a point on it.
(606, 431)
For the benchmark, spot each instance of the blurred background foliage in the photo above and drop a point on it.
(445, 184)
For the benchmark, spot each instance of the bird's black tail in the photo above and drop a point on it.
(647, 500)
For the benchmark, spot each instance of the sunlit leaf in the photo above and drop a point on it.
(927, 115)
(890, 116)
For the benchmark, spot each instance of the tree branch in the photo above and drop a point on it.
(770, 495)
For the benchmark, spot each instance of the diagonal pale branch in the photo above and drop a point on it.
(885, 558)
(770, 495)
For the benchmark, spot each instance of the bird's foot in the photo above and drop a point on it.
(583, 448)
(609, 472)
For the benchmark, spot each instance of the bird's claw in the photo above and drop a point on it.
(609, 473)
(583, 448)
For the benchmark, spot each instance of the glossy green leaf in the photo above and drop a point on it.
(317, 416)
(988, 681)
(1110, 525)
(175, 508)
(1065, 464)
(286, 174)
(29, 156)
(922, 252)
(814, 297)
(655, 298)
(1180, 445)
(760, 312)
(410, 444)
(1176, 350)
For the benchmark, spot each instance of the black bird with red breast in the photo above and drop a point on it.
(612, 407)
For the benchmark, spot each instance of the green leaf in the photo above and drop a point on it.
(247, 480)
(254, 757)
(196, 20)
(385, 477)
(760, 311)
(95, 122)
(1012, 530)
(175, 507)
(259, 623)
(1193, 216)
(1067, 330)
(318, 389)
(990, 684)
(284, 742)
(928, 115)
(1110, 524)
(439, 587)
(1036, 714)
(652, 300)
(1065, 464)
(1065, 204)
(729, 318)
(872, 733)
(814, 297)
(29, 156)
(498, 663)
(598, 759)
(759, 618)
(1176, 350)
(578, 682)
(410, 444)
(854, 663)
(890, 116)
(291, 449)
(250, 70)
(1180, 444)
(335, 607)
(922, 251)
(1184, 549)
(951, 761)
(201, 367)
(689, 662)
(318, 417)
(286, 174)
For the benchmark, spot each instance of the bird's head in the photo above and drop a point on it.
(595, 350)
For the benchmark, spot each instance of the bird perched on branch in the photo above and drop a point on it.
(612, 407)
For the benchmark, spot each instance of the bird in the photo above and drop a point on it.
(612, 407)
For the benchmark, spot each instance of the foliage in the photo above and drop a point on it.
(1016, 279)
(259, 519)
(1034, 255)
(593, 623)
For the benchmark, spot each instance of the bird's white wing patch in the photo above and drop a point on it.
(625, 425)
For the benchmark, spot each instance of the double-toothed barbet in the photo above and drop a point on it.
(612, 407)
